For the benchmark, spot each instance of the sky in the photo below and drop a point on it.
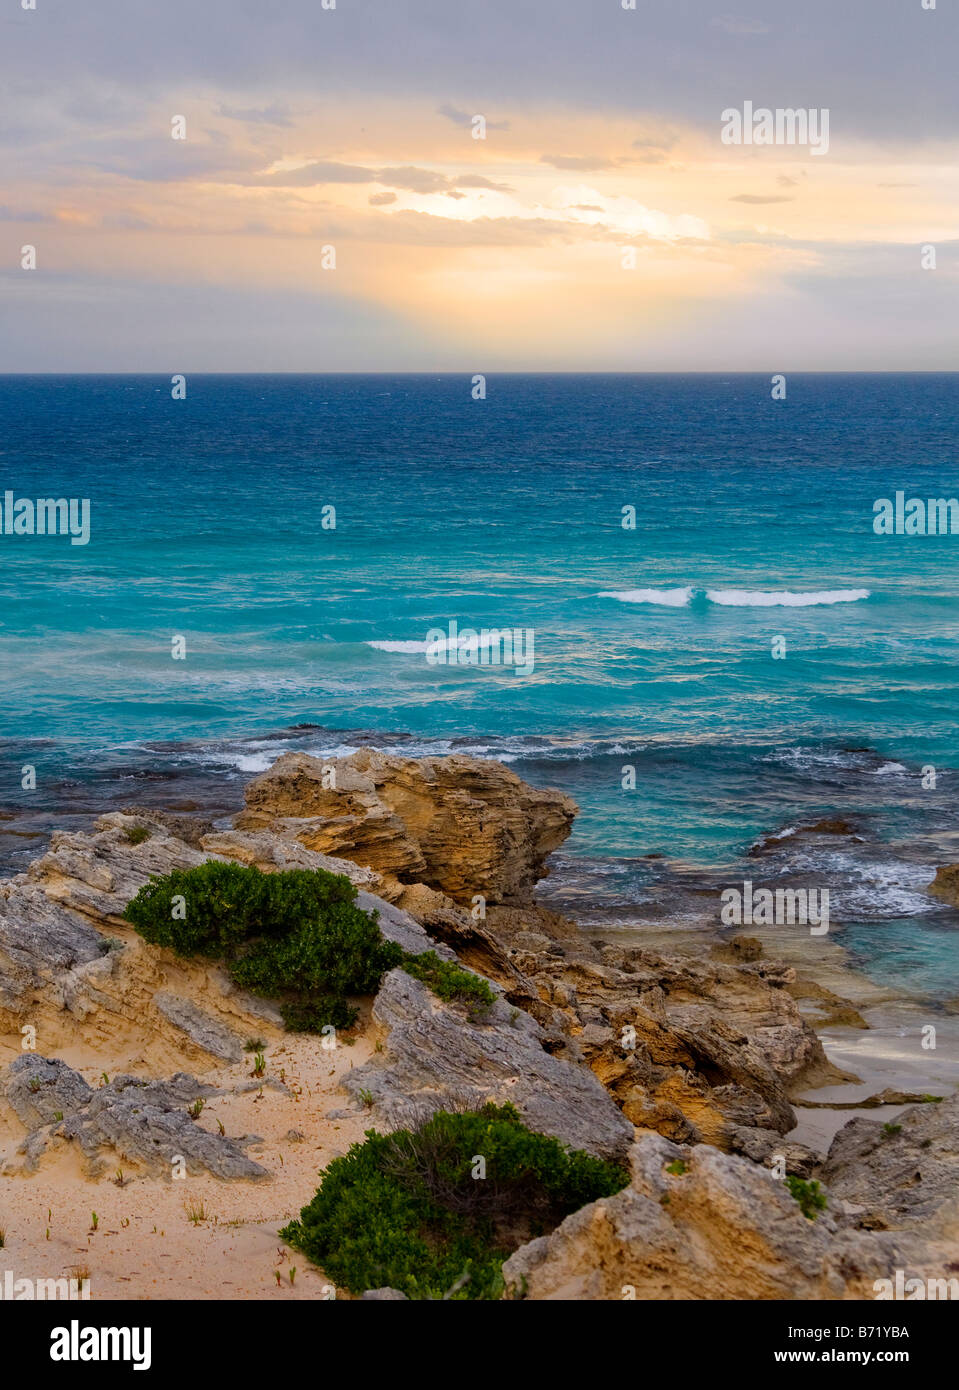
(330, 208)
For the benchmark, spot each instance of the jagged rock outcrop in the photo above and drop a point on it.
(143, 1122)
(901, 1173)
(436, 1057)
(695, 1223)
(696, 1050)
(462, 825)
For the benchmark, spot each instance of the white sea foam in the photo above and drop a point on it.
(412, 648)
(464, 643)
(782, 598)
(670, 598)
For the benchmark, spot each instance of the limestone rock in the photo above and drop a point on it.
(946, 884)
(143, 1122)
(462, 825)
(436, 1058)
(902, 1173)
(715, 1227)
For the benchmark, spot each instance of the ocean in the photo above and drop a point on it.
(744, 656)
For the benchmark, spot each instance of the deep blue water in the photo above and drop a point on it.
(507, 512)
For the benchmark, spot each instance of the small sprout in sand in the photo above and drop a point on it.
(254, 1045)
(58, 1115)
(124, 1221)
(259, 1065)
(48, 1233)
(889, 1129)
(379, 1046)
(94, 1222)
(80, 1275)
(196, 1109)
(195, 1211)
(3, 1236)
(104, 1079)
(366, 1097)
(292, 1275)
(219, 1125)
(279, 1279)
(119, 1179)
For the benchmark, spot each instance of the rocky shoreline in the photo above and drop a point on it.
(690, 1066)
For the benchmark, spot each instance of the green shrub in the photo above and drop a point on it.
(450, 981)
(136, 834)
(406, 1210)
(811, 1200)
(296, 936)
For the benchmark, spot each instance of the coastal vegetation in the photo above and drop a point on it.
(296, 936)
(435, 1210)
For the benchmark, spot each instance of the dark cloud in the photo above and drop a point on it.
(465, 118)
(885, 68)
(381, 200)
(8, 214)
(761, 198)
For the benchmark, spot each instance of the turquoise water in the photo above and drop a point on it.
(653, 645)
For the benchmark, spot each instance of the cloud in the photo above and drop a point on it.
(464, 118)
(8, 214)
(381, 200)
(478, 181)
(251, 115)
(308, 175)
(413, 180)
(584, 163)
(739, 27)
(762, 198)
